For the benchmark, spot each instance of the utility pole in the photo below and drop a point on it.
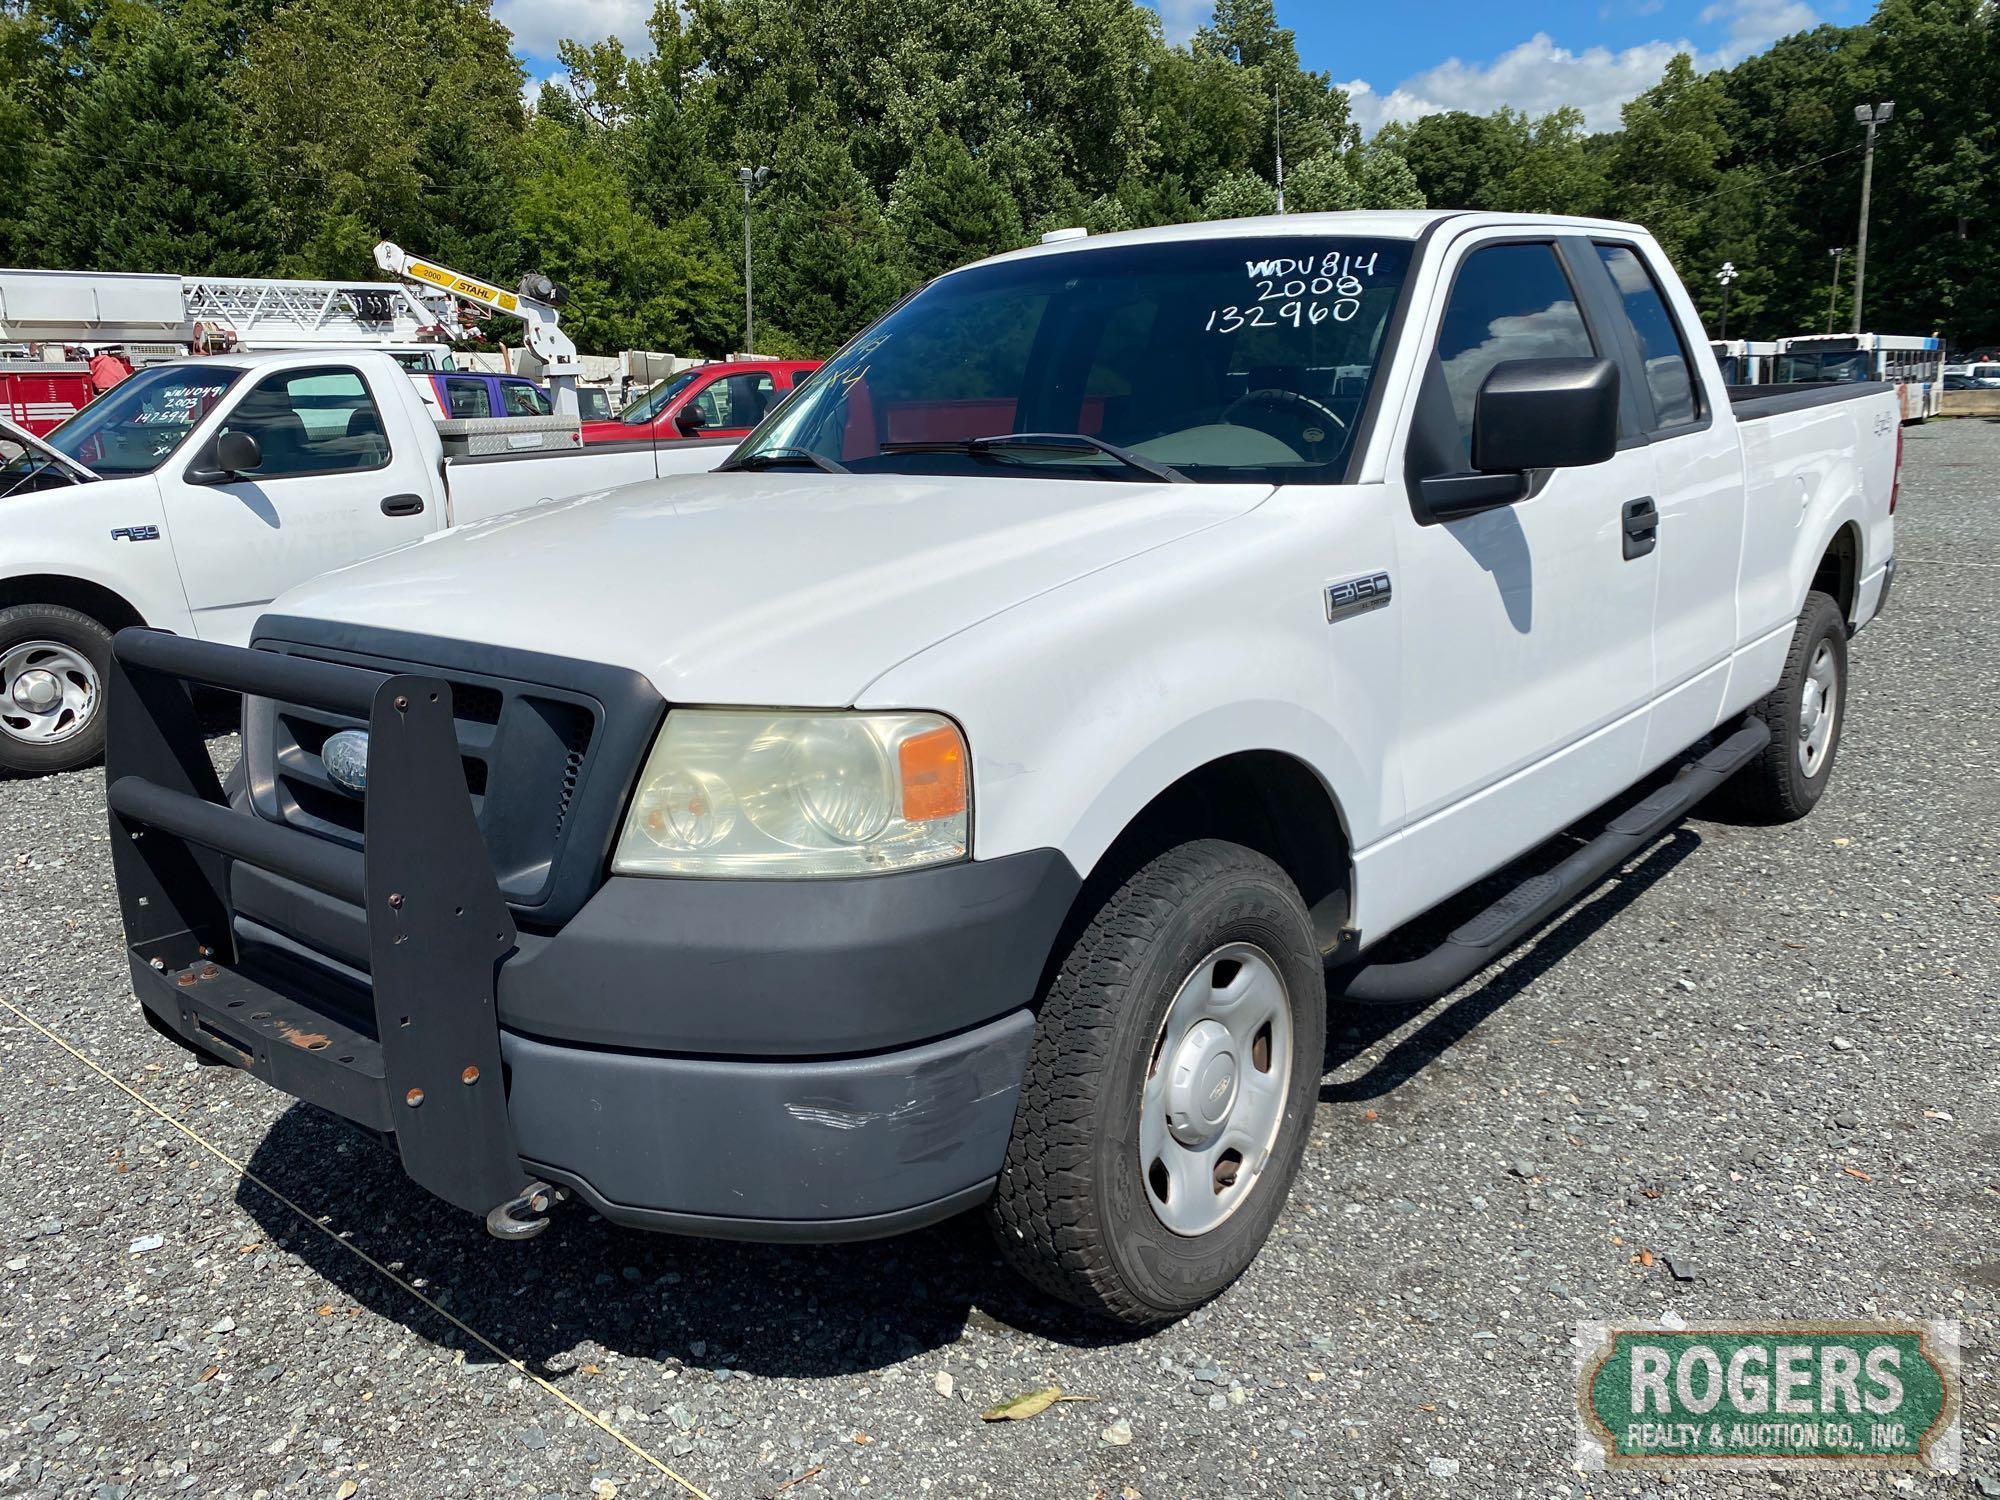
(752, 179)
(1833, 287)
(1869, 116)
(1726, 275)
(1278, 139)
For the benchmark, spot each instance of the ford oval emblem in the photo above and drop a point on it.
(345, 756)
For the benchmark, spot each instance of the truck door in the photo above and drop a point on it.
(330, 490)
(1697, 487)
(1527, 653)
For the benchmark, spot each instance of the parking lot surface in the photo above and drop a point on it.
(1752, 1077)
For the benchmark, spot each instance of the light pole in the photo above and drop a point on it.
(1869, 116)
(1726, 275)
(1833, 287)
(752, 179)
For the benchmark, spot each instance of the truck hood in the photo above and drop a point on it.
(768, 589)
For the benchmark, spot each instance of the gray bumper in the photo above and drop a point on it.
(764, 1149)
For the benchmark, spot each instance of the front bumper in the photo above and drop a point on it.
(816, 1060)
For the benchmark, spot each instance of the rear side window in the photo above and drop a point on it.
(468, 397)
(1508, 302)
(524, 400)
(311, 422)
(1669, 376)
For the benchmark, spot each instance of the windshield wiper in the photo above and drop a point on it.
(772, 458)
(1051, 442)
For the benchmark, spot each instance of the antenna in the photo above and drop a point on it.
(1278, 137)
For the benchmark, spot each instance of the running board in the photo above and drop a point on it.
(1533, 902)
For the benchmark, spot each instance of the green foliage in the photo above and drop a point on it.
(909, 136)
(1239, 195)
(146, 174)
(946, 209)
(632, 284)
(1384, 179)
(1322, 184)
(831, 262)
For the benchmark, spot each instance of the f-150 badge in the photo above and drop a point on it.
(1356, 596)
(136, 534)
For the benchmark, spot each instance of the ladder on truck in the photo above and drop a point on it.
(249, 313)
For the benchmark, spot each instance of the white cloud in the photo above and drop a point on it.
(1755, 24)
(538, 25)
(1180, 18)
(1537, 75)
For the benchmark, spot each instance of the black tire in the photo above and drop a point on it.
(83, 743)
(1072, 1211)
(1778, 787)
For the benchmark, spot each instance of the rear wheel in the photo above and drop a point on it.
(1805, 712)
(54, 662)
(1172, 1083)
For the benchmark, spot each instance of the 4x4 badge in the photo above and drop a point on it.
(1356, 596)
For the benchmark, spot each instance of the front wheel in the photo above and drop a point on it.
(53, 665)
(1170, 1090)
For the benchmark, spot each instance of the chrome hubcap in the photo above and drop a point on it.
(1215, 1090)
(1817, 701)
(48, 692)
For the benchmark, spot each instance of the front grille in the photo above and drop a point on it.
(529, 747)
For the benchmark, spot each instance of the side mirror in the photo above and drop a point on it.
(1529, 414)
(237, 453)
(1545, 414)
(691, 420)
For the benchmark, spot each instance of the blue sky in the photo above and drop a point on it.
(1406, 58)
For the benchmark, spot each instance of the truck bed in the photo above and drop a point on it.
(1752, 402)
(489, 484)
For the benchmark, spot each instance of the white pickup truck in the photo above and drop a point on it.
(974, 791)
(196, 491)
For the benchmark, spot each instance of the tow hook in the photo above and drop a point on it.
(525, 1215)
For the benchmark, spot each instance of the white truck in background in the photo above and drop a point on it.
(197, 490)
(978, 789)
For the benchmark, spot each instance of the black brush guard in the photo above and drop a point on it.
(414, 1053)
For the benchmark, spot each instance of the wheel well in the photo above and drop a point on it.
(1839, 571)
(101, 604)
(1262, 799)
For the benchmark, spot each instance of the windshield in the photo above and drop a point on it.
(134, 427)
(1226, 359)
(1847, 367)
(656, 400)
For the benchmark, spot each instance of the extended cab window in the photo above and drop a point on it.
(1669, 376)
(1507, 302)
(1227, 359)
(132, 428)
(311, 422)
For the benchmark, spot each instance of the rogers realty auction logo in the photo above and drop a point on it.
(1768, 1395)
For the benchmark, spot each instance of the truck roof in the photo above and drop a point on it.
(1397, 224)
(269, 358)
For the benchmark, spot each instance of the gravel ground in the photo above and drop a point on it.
(1766, 1055)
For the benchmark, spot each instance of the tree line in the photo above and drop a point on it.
(908, 136)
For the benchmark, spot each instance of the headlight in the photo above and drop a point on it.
(757, 793)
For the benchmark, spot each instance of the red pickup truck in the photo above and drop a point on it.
(722, 400)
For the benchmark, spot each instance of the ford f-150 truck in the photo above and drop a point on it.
(196, 491)
(976, 791)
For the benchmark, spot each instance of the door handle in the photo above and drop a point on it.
(1641, 520)
(403, 505)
